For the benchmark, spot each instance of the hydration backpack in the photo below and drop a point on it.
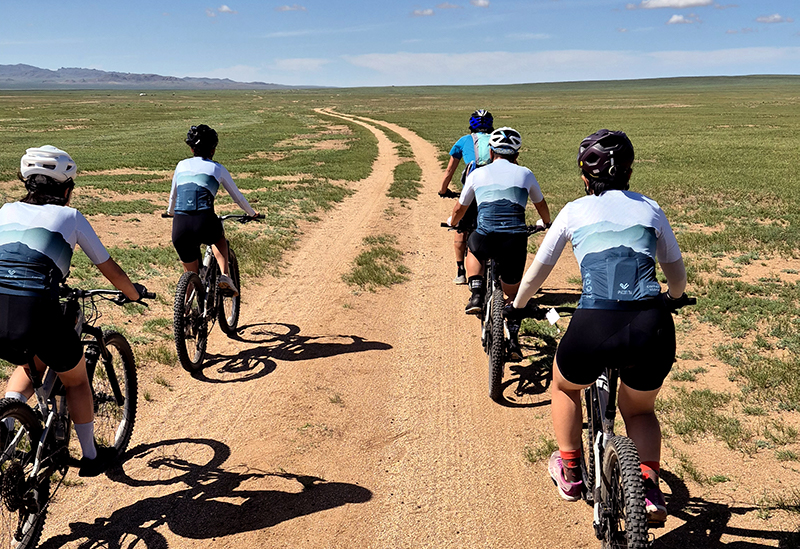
(481, 143)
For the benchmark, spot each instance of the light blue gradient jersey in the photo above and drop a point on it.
(617, 238)
(502, 190)
(36, 245)
(195, 185)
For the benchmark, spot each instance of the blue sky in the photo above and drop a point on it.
(414, 42)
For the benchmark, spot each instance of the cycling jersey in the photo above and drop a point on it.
(36, 245)
(502, 190)
(617, 237)
(195, 184)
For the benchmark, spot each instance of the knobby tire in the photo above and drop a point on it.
(189, 326)
(228, 314)
(622, 491)
(593, 427)
(24, 504)
(114, 389)
(497, 347)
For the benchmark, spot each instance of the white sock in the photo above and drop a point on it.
(86, 438)
(9, 422)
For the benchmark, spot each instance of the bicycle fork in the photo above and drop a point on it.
(606, 432)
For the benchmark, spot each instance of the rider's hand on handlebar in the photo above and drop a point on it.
(512, 313)
(540, 223)
(448, 194)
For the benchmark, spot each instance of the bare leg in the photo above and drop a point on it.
(460, 246)
(473, 265)
(220, 249)
(638, 411)
(192, 266)
(79, 393)
(566, 412)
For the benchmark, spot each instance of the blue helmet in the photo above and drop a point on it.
(481, 121)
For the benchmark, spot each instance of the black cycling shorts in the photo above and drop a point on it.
(510, 251)
(35, 325)
(190, 230)
(641, 343)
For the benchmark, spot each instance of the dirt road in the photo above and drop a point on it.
(337, 419)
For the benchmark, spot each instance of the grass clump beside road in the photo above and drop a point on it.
(406, 183)
(379, 265)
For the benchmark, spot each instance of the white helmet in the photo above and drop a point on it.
(505, 141)
(49, 161)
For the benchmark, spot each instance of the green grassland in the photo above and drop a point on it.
(720, 155)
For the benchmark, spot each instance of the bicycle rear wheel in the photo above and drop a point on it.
(24, 503)
(497, 346)
(114, 388)
(622, 491)
(228, 314)
(189, 325)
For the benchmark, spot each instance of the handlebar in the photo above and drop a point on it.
(674, 304)
(242, 218)
(116, 296)
(530, 229)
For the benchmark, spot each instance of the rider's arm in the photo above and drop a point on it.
(676, 278)
(531, 282)
(458, 212)
(669, 257)
(543, 210)
(114, 273)
(233, 191)
(448, 175)
(173, 195)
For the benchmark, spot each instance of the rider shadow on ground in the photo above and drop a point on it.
(208, 502)
(707, 522)
(278, 341)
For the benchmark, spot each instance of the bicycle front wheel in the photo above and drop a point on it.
(228, 313)
(497, 347)
(114, 389)
(24, 502)
(189, 324)
(622, 491)
(593, 427)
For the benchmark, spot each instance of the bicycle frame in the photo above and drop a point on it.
(603, 395)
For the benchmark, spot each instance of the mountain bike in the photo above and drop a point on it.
(494, 328)
(199, 304)
(614, 483)
(35, 450)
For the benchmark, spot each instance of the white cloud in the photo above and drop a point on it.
(422, 13)
(674, 4)
(622, 29)
(410, 69)
(725, 6)
(210, 12)
(448, 6)
(480, 3)
(293, 7)
(775, 18)
(300, 64)
(681, 20)
(225, 9)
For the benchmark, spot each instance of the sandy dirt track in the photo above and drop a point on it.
(338, 419)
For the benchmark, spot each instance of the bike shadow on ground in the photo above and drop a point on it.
(281, 341)
(208, 502)
(529, 382)
(707, 522)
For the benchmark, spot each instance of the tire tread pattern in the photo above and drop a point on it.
(497, 359)
(621, 454)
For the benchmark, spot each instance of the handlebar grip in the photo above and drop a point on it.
(259, 217)
(444, 224)
(148, 296)
(166, 215)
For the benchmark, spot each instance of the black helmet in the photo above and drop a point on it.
(481, 121)
(606, 156)
(202, 137)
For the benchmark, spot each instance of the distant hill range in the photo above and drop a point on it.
(29, 77)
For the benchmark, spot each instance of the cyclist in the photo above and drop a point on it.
(191, 201)
(617, 236)
(501, 190)
(37, 237)
(473, 148)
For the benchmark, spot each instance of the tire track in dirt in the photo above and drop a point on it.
(380, 397)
